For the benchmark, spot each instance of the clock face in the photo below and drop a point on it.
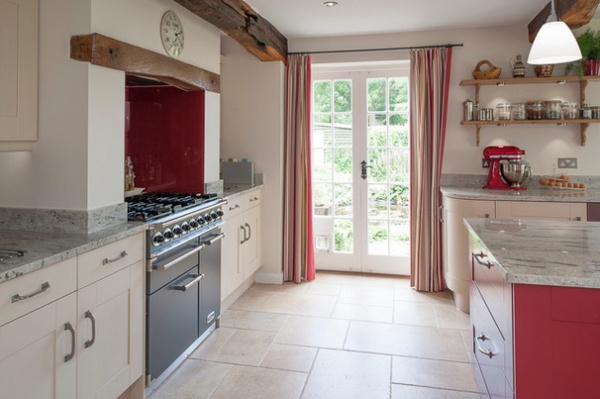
(171, 33)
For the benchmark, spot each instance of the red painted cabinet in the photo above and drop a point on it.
(532, 341)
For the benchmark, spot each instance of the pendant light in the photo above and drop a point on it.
(554, 43)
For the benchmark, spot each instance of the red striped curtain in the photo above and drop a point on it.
(298, 246)
(429, 85)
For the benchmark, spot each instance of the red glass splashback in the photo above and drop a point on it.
(164, 136)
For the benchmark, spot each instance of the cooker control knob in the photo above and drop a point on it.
(158, 239)
(185, 226)
(208, 218)
(177, 231)
(194, 224)
(214, 215)
(201, 220)
(168, 234)
(220, 213)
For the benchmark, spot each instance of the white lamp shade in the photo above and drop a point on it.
(554, 44)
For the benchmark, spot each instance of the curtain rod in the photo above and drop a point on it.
(376, 49)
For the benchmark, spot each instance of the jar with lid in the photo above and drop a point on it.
(595, 112)
(534, 110)
(570, 110)
(586, 111)
(552, 109)
(503, 111)
(518, 111)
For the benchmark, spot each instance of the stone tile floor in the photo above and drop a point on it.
(340, 336)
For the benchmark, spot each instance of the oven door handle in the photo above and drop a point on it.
(214, 239)
(179, 259)
(197, 277)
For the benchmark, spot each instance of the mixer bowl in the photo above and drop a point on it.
(516, 173)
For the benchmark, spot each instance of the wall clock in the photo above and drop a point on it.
(171, 33)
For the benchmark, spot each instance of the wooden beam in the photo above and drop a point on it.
(575, 13)
(238, 20)
(111, 53)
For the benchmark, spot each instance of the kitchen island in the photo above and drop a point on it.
(535, 307)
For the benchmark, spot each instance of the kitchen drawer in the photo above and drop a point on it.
(103, 261)
(234, 206)
(488, 347)
(61, 279)
(253, 198)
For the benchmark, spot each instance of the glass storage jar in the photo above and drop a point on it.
(503, 111)
(534, 110)
(518, 111)
(595, 112)
(570, 110)
(552, 109)
(586, 111)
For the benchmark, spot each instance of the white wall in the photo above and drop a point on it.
(77, 163)
(542, 143)
(252, 127)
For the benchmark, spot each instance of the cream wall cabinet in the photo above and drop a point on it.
(241, 249)
(18, 74)
(76, 340)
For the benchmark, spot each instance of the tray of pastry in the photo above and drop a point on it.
(561, 182)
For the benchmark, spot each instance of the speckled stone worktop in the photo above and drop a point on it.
(542, 252)
(46, 248)
(470, 187)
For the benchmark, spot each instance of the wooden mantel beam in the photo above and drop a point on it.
(238, 20)
(575, 13)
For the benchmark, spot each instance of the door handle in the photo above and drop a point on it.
(363, 169)
(88, 315)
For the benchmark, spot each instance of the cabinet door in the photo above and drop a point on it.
(541, 210)
(232, 275)
(110, 334)
(251, 248)
(33, 350)
(19, 74)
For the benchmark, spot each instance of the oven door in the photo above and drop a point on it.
(172, 307)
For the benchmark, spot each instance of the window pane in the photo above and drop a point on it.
(376, 130)
(322, 164)
(399, 196)
(343, 233)
(342, 96)
(398, 128)
(322, 96)
(343, 166)
(378, 238)
(378, 201)
(343, 199)
(343, 130)
(400, 238)
(398, 94)
(376, 94)
(399, 165)
(379, 166)
(323, 199)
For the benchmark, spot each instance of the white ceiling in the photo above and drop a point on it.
(309, 18)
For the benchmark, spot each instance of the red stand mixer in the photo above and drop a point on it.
(508, 171)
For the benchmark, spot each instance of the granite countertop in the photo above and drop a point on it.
(239, 189)
(542, 252)
(470, 187)
(45, 248)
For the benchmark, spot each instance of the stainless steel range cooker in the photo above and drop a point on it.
(183, 284)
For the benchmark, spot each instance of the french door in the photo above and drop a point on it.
(360, 167)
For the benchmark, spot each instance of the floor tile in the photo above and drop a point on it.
(194, 379)
(313, 331)
(410, 294)
(433, 373)
(367, 295)
(414, 392)
(382, 314)
(213, 343)
(258, 321)
(290, 357)
(414, 313)
(340, 374)
(244, 347)
(447, 316)
(406, 340)
(260, 383)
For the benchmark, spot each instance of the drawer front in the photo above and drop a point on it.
(36, 289)
(234, 206)
(103, 261)
(253, 198)
(488, 347)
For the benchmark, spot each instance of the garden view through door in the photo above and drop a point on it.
(360, 161)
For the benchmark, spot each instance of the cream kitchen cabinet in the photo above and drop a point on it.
(541, 210)
(241, 249)
(455, 244)
(75, 329)
(18, 74)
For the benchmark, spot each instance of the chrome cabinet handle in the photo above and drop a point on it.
(488, 352)
(17, 297)
(253, 199)
(244, 230)
(90, 342)
(249, 231)
(197, 278)
(234, 207)
(69, 327)
(479, 258)
(177, 260)
(122, 255)
(214, 239)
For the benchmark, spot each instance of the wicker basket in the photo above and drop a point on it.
(492, 72)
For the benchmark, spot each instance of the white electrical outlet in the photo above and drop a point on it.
(567, 163)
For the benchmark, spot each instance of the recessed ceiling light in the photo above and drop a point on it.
(330, 3)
